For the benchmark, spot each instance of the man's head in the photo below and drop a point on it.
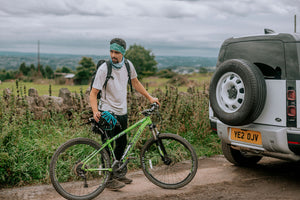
(117, 49)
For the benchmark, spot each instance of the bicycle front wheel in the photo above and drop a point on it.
(74, 180)
(169, 162)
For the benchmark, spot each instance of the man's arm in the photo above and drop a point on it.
(140, 88)
(94, 104)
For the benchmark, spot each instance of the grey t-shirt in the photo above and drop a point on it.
(114, 97)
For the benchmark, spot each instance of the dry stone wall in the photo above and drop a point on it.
(41, 105)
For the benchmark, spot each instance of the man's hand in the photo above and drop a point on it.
(97, 116)
(93, 102)
(154, 100)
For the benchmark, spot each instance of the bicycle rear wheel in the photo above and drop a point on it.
(169, 162)
(68, 176)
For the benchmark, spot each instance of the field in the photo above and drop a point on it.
(27, 143)
(151, 83)
(42, 88)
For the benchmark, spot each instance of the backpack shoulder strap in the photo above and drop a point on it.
(99, 63)
(129, 73)
(108, 75)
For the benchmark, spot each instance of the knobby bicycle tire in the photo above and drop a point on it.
(173, 170)
(66, 174)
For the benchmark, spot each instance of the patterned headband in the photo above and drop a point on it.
(117, 47)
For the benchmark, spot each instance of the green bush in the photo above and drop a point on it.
(166, 73)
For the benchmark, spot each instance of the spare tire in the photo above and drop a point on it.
(237, 92)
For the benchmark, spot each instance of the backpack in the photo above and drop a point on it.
(108, 75)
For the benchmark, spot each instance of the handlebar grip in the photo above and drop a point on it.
(154, 106)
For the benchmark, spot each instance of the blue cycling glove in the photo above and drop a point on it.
(110, 119)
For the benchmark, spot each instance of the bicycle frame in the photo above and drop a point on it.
(146, 121)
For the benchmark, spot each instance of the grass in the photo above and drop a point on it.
(200, 77)
(151, 83)
(27, 144)
(43, 88)
(198, 80)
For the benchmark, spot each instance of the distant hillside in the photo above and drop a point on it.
(183, 61)
(12, 60)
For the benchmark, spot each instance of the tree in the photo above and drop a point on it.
(66, 70)
(42, 71)
(143, 60)
(32, 67)
(85, 71)
(5, 75)
(24, 69)
(203, 70)
(49, 72)
(86, 62)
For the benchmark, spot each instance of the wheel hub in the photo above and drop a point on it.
(167, 161)
(230, 92)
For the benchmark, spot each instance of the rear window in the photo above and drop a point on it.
(267, 55)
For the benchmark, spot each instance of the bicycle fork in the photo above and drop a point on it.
(160, 146)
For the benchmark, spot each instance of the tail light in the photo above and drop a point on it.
(291, 95)
(291, 111)
(291, 107)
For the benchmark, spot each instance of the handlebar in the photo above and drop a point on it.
(149, 112)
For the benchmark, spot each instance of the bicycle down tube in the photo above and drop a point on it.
(142, 123)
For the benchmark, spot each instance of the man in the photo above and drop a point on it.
(114, 98)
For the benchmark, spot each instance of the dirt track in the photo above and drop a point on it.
(216, 179)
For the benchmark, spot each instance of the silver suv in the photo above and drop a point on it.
(254, 95)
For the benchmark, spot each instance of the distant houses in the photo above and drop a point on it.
(64, 78)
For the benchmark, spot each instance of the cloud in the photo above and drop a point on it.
(154, 8)
(165, 26)
(55, 8)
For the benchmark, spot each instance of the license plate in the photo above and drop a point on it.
(253, 137)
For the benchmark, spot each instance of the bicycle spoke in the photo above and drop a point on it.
(175, 168)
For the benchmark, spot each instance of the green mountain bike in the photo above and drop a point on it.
(81, 167)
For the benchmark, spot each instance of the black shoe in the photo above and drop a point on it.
(114, 184)
(125, 180)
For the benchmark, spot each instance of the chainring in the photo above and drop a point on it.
(121, 172)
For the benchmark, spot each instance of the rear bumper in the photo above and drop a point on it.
(293, 138)
(274, 138)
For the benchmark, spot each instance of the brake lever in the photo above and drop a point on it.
(154, 106)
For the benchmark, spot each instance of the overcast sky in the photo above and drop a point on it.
(167, 27)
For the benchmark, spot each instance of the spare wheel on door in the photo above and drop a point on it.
(237, 92)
